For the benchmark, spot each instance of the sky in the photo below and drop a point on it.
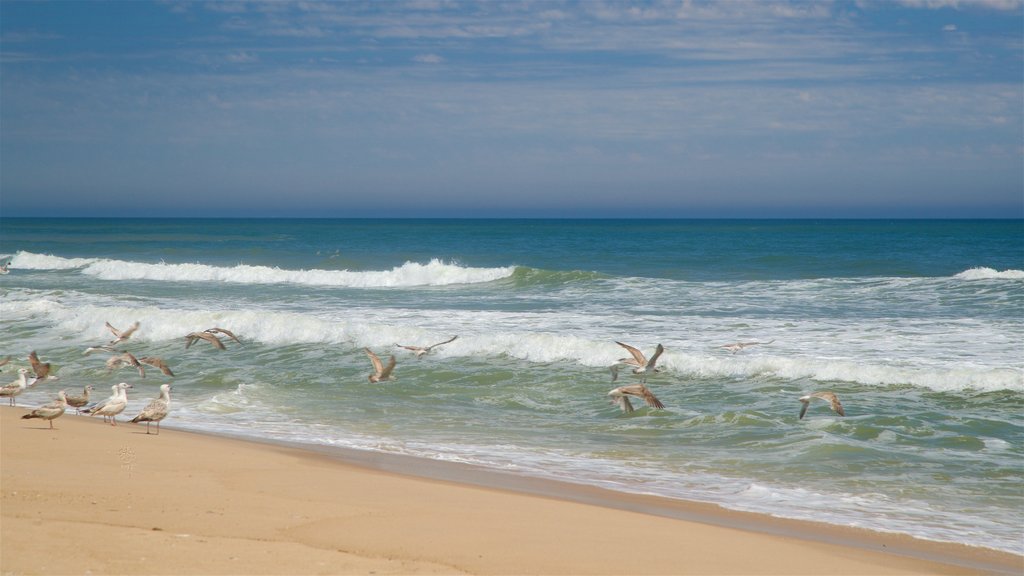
(437, 108)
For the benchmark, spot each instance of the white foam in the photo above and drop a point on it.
(984, 273)
(433, 273)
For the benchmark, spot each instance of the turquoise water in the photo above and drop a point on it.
(916, 325)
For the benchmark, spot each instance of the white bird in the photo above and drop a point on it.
(122, 335)
(77, 402)
(112, 406)
(621, 396)
(15, 388)
(380, 372)
(422, 351)
(640, 363)
(50, 411)
(737, 346)
(156, 410)
(829, 397)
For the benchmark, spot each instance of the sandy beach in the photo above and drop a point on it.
(89, 498)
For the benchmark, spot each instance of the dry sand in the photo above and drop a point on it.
(89, 498)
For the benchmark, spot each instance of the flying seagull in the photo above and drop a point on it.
(50, 411)
(422, 351)
(122, 335)
(380, 371)
(737, 346)
(125, 359)
(157, 363)
(223, 331)
(192, 337)
(640, 363)
(156, 410)
(829, 397)
(620, 396)
(40, 369)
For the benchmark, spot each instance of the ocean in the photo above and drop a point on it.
(916, 325)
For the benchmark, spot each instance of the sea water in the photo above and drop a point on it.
(916, 325)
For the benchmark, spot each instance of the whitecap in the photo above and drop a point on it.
(985, 273)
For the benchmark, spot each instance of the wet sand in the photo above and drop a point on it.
(92, 498)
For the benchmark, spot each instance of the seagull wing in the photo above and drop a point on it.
(378, 368)
(650, 398)
(654, 359)
(637, 355)
(440, 343)
(386, 373)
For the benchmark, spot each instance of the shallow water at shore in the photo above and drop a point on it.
(922, 347)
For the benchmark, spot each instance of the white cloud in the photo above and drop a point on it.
(428, 59)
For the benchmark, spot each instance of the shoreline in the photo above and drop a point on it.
(361, 512)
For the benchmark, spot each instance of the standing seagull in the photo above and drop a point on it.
(125, 359)
(422, 351)
(621, 396)
(192, 337)
(157, 363)
(112, 406)
(15, 388)
(156, 410)
(826, 396)
(640, 363)
(50, 411)
(122, 335)
(41, 369)
(380, 371)
(77, 402)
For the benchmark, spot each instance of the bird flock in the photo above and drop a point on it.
(111, 407)
(637, 363)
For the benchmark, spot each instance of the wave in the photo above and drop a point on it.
(410, 274)
(489, 336)
(984, 273)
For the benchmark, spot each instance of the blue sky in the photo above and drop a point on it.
(565, 109)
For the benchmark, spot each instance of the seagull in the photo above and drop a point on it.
(156, 410)
(112, 406)
(157, 363)
(223, 331)
(826, 396)
(77, 402)
(125, 359)
(122, 335)
(41, 369)
(422, 351)
(380, 372)
(737, 346)
(15, 388)
(103, 348)
(640, 363)
(621, 396)
(114, 392)
(50, 411)
(192, 337)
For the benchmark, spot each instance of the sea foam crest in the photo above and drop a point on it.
(984, 273)
(433, 273)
